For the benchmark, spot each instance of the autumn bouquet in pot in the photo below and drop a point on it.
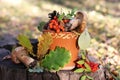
(62, 38)
(65, 30)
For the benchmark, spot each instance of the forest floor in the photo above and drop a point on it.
(23, 16)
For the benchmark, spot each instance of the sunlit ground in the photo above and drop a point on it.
(23, 16)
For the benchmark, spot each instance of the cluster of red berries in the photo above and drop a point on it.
(56, 25)
(93, 66)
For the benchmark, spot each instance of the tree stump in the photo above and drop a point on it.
(12, 71)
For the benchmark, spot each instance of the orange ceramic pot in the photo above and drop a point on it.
(67, 40)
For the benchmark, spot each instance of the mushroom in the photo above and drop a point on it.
(79, 22)
(20, 54)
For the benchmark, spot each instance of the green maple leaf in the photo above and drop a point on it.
(56, 59)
